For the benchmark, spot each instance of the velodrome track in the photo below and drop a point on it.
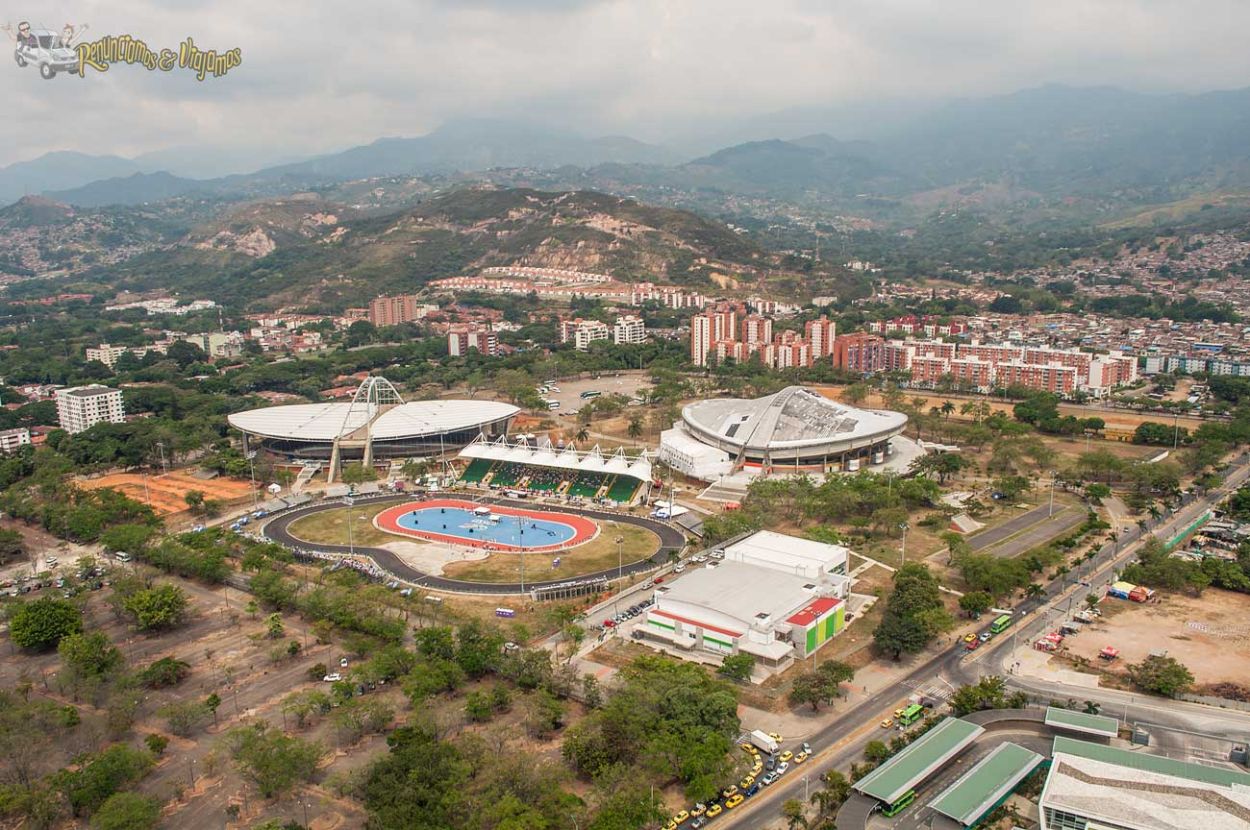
(277, 530)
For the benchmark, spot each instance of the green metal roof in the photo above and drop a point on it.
(918, 760)
(1150, 763)
(981, 788)
(1081, 722)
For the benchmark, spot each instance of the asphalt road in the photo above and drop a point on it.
(843, 740)
(278, 530)
(1027, 531)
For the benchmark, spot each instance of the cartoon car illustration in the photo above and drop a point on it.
(48, 52)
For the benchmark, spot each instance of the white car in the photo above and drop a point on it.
(332, 678)
(46, 51)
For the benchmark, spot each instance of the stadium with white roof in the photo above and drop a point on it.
(795, 430)
(376, 423)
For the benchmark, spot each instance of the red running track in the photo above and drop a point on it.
(583, 528)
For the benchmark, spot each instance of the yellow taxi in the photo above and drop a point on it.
(757, 767)
(775, 736)
(787, 755)
(801, 757)
(748, 748)
(682, 816)
(887, 723)
(671, 824)
(898, 713)
(729, 791)
(734, 802)
(746, 782)
(714, 811)
(698, 810)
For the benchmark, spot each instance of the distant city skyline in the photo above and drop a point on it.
(320, 79)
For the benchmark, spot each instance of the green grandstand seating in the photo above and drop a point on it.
(623, 489)
(476, 471)
(507, 475)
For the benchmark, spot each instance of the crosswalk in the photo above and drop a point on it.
(933, 691)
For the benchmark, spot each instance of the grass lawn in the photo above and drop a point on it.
(329, 527)
(596, 555)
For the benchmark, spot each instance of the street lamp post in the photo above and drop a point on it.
(1053, 477)
(620, 558)
(904, 546)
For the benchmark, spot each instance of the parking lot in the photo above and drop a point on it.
(570, 394)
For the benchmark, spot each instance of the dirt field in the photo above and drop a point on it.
(1210, 634)
(1115, 418)
(166, 494)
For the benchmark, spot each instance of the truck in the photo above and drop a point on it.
(1121, 590)
(764, 742)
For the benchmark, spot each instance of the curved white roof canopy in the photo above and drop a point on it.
(327, 421)
(795, 417)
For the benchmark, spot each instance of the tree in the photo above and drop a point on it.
(12, 544)
(634, 430)
(89, 656)
(164, 672)
(211, 703)
(184, 717)
(975, 603)
(914, 613)
(41, 625)
(876, 751)
(793, 812)
(159, 608)
(737, 667)
(99, 776)
(358, 474)
(156, 743)
(1161, 675)
(274, 762)
(1033, 590)
(941, 464)
(127, 811)
(988, 693)
(274, 629)
(195, 501)
(824, 685)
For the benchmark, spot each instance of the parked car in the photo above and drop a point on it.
(332, 678)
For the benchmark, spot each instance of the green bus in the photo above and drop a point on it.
(911, 714)
(1000, 625)
(899, 806)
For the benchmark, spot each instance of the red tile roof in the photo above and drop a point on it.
(813, 610)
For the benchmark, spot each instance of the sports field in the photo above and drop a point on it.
(166, 494)
(490, 527)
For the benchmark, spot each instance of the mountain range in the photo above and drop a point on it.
(1103, 149)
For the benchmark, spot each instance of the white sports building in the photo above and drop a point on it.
(376, 423)
(794, 430)
(772, 596)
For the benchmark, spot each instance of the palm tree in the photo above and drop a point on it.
(635, 427)
(583, 434)
(1034, 590)
(1092, 708)
(948, 407)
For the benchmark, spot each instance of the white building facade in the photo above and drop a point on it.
(79, 408)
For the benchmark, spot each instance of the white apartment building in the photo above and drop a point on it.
(81, 407)
(12, 439)
(106, 354)
(581, 333)
(629, 329)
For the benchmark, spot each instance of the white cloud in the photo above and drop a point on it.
(320, 76)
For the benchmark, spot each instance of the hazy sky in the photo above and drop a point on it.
(318, 76)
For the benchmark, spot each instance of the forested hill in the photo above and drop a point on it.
(307, 251)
